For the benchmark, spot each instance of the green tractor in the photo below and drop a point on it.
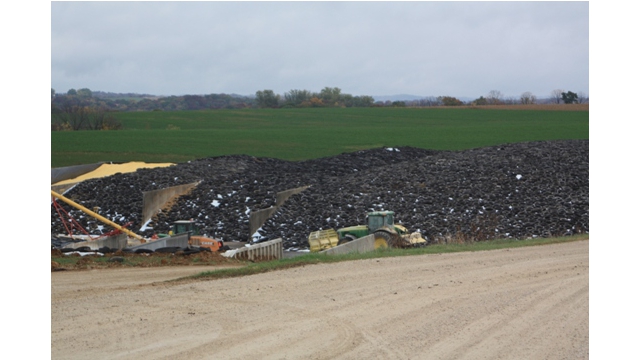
(379, 223)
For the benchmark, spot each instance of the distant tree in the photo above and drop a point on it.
(53, 93)
(582, 98)
(348, 100)
(480, 101)
(398, 104)
(297, 97)
(122, 104)
(102, 119)
(569, 97)
(148, 104)
(71, 116)
(429, 101)
(84, 93)
(556, 95)
(527, 98)
(449, 101)
(72, 92)
(494, 97)
(267, 99)
(330, 95)
(510, 100)
(363, 101)
(316, 102)
(195, 102)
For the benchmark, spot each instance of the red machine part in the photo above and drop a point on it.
(71, 224)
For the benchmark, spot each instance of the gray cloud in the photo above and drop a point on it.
(365, 48)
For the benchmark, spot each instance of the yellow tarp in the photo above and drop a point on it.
(110, 169)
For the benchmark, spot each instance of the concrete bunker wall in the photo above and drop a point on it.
(361, 245)
(283, 196)
(154, 200)
(268, 250)
(181, 240)
(114, 242)
(258, 218)
(71, 172)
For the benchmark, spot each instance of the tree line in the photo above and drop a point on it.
(495, 97)
(79, 110)
(84, 109)
(143, 102)
(557, 96)
(327, 97)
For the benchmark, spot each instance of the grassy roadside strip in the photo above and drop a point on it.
(61, 261)
(310, 259)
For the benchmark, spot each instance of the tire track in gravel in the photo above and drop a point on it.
(519, 319)
(518, 303)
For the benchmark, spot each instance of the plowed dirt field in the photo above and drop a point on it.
(525, 303)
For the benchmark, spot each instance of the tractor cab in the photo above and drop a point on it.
(379, 219)
(184, 226)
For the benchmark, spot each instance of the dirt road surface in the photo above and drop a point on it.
(526, 303)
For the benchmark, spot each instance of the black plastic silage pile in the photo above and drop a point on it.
(516, 190)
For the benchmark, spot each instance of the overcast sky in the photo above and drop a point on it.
(462, 49)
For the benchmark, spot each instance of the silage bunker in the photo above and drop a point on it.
(514, 190)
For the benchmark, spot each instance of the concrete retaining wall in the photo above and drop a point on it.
(61, 189)
(268, 250)
(258, 218)
(361, 245)
(181, 240)
(70, 172)
(282, 196)
(152, 201)
(113, 242)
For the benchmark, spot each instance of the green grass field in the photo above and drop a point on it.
(299, 134)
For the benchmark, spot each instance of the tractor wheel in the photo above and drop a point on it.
(346, 239)
(382, 239)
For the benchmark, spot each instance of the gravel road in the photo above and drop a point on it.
(526, 303)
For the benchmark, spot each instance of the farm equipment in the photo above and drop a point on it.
(130, 233)
(379, 223)
(195, 237)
